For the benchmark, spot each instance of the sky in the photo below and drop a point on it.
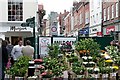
(56, 5)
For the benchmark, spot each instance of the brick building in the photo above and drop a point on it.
(84, 24)
(81, 18)
(111, 15)
(67, 24)
(61, 20)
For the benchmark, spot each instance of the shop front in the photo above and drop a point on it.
(15, 33)
(107, 30)
(84, 32)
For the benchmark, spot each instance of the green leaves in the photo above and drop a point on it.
(53, 50)
(87, 44)
(20, 67)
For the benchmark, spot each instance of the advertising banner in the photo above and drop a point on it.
(43, 43)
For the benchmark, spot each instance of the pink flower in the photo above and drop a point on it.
(44, 73)
(41, 67)
(38, 60)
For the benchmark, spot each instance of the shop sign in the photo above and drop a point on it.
(13, 28)
(99, 33)
(60, 40)
(43, 44)
(109, 29)
(84, 31)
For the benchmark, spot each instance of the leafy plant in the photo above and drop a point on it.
(54, 65)
(20, 67)
(88, 44)
(78, 68)
(53, 50)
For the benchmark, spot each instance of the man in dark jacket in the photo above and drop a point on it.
(4, 57)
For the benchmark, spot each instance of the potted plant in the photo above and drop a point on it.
(19, 69)
(88, 44)
(53, 50)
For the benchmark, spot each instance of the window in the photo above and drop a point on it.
(104, 14)
(86, 17)
(112, 11)
(97, 17)
(108, 11)
(91, 20)
(80, 18)
(94, 19)
(116, 9)
(15, 10)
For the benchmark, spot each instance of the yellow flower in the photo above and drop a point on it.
(115, 67)
(88, 51)
(109, 61)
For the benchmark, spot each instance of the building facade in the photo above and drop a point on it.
(111, 16)
(13, 13)
(61, 21)
(67, 24)
(53, 24)
(81, 12)
(95, 18)
(84, 16)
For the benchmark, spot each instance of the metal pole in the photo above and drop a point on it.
(34, 40)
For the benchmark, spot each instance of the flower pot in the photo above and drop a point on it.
(19, 78)
(80, 76)
(7, 76)
(104, 75)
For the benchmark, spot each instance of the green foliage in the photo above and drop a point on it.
(105, 70)
(114, 53)
(78, 68)
(20, 67)
(53, 50)
(54, 65)
(87, 44)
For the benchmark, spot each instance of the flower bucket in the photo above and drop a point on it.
(104, 76)
(7, 76)
(19, 78)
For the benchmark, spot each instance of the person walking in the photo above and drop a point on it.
(9, 48)
(16, 51)
(28, 50)
(4, 57)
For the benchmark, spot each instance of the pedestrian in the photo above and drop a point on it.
(16, 51)
(9, 48)
(28, 50)
(4, 57)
